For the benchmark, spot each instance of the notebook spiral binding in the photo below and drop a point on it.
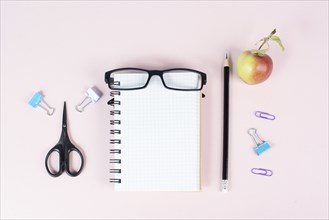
(115, 141)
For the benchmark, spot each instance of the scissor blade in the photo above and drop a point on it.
(64, 116)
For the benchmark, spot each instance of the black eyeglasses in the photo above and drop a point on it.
(134, 78)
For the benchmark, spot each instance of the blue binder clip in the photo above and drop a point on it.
(261, 145)
(37, 100)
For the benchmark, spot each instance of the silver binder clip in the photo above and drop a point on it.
(92, 95)
(37, 100)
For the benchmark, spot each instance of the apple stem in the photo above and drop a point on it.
(266, 39)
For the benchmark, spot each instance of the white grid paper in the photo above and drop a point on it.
(160, 139)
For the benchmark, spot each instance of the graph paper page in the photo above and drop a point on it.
(160, 139)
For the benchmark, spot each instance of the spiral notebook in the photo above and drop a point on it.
(155, 139)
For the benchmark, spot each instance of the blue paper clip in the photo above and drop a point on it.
(261, 146)
(37, 100)
(264, 115)
(262, 171)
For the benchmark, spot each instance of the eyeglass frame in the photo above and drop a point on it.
(152, 73)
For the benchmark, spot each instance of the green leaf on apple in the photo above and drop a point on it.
(265, 40)
(278, 40)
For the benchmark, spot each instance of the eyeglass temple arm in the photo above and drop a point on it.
(204, 81)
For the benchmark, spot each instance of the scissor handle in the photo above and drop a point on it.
(59, 150)
(64, 160)
(70, 149)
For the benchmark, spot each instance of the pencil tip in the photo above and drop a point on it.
(226, 61)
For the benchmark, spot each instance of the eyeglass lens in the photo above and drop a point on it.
(129, 79)
(182, 79)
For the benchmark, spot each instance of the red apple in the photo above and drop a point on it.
(254, 68)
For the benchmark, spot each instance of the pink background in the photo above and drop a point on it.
(62, 48)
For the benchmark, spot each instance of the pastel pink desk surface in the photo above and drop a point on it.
(63, 48)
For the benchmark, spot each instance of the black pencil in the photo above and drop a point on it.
(225, 124)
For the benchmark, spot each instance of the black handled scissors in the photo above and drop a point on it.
(64, 147)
